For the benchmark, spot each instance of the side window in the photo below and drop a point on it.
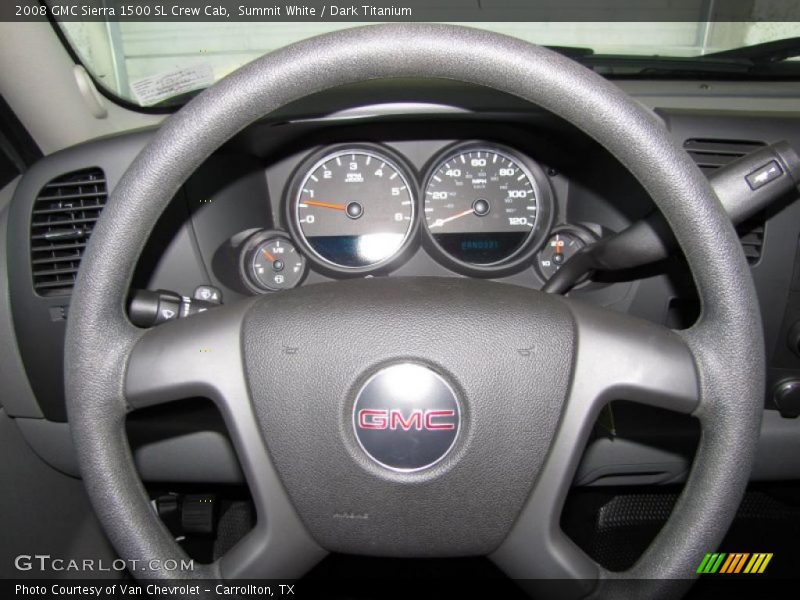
(17, 149)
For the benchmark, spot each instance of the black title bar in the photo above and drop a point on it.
(400, 10)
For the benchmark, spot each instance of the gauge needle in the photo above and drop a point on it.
(440, 222)
(268, 254)
(324, 204)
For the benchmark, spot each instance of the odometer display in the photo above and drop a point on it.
(481, 206)
(354, 209)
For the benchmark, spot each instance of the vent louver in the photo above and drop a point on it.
(63, 217)
(710, 155)
(751, 234)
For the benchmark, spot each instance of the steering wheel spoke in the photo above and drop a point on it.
(617, 358)
(623, 358)
(186, 358)
(201, 356)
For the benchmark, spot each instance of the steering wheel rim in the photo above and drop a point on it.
(725, 346)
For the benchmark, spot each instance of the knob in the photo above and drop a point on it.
(787, 397)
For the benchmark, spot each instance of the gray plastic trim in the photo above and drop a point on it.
(195, 457)
(44, 512)
(17, 399)
(52, 442)
(623, 462)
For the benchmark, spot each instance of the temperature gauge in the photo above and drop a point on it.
(563, 243)
(273, 263)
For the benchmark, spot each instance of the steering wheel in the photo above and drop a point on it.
(507, 382)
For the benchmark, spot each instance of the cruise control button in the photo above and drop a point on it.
(763, 175)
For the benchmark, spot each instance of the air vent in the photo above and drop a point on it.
(710, 155)
(63, 217)
(751, 234)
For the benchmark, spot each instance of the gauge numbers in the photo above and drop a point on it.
(481, 206)
(354, 209)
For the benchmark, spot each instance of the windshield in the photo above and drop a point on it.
(150, 63)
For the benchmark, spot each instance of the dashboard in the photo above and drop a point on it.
(394, 179)
(471, 195)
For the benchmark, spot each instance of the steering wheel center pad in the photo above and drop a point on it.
(507, 354)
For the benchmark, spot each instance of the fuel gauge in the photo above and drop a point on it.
(272, 263)
(564, 242)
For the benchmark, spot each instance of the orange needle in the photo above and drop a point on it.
(268, 255)
(324, 204)
(558, 245)
(440, 222)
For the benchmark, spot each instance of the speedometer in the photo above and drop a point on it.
(485, 208)
(353, 209)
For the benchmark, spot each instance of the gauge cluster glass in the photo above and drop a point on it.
(354, 209)
(480, 206)
(484, 208)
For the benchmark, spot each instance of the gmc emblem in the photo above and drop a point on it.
(406, 417)
(429, 420)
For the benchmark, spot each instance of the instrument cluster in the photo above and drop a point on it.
(481, 209)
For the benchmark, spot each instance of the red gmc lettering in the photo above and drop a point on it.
(372, 419)
(394, 419)
(430, 415)
(414, 420)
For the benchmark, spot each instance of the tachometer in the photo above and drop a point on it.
(353, 209)
(484, 207)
